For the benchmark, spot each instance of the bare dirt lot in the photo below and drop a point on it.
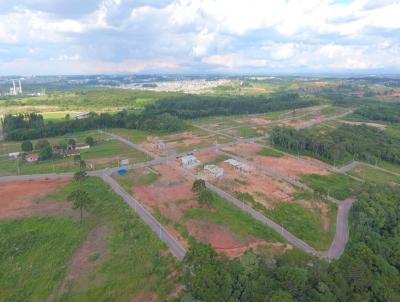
(20, 199)
(246, 150)
(263, 188)
(171, 196)
(288, 166)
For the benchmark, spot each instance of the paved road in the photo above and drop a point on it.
(333, 252)
(339, 242)
(342, 231)
(174, 246)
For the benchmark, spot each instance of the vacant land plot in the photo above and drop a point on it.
(274, 160)
(288, 166)
(374, 175)
(339, 186)
(21, 199)
(313, 220)
(49, 256)
(169, 197)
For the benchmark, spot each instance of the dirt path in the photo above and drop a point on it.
(89, 255)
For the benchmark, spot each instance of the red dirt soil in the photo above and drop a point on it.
(221, 239)
(263, 188)
(246, 150)
(288, 166)
(19, 198)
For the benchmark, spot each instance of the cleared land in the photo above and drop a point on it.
(167, 194)
(57, 259)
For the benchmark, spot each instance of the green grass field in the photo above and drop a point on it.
(305, 223)
(374, 175)
(135, 177)
(270, 152)
(35, 253)
(237, 221)
(103, 154)
(339, 186)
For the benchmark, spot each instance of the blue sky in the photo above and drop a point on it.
(199, 36)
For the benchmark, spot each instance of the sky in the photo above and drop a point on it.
(41, 37)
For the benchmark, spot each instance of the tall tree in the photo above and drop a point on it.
(81, 200)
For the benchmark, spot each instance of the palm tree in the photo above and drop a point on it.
(81, 200)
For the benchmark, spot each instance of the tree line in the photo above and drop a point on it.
(343, 143)
(23, 127)
(367, 271)
(196, 106)
(385, 112)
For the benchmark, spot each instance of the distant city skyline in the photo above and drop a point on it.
(43, 37)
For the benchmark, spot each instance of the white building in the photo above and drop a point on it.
(82, 146)
(241, 167)
(81, 115)
(214, 170)
(189, 161)
(14, 154)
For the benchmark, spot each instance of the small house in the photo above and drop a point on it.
(214, 170)
(189, 161)
(240, 167)
(72, 152)
(31, 158)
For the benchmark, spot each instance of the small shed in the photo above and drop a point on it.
(189, 161)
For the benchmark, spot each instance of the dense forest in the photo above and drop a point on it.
(367, 271)
(385, 112)
(343, 143)
(196, 106)
(24, 127)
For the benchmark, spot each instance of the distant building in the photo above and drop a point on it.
(124, 161)
(82, 115)
(189, 161)
(72, 152)
(214, 170)
(81, 146)
(14, 154)
(59, 150)
(31, 158)
(241, 167)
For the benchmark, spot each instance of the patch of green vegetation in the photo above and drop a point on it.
(93, 257)
(305, 223)
(135, 177)
(238, 222)
(217, 160)
(374, 175)
(134, 262)
(337, 185)
(34, 255)
(270, 152)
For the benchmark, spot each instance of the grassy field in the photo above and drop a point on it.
(238, 222)
(101, 155)
(34, 255)
(339, 186)
(133, 177)
(304, 222)
(36, 252)
(374, 175)
(270, 152)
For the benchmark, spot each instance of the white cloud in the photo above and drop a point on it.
(131, 36)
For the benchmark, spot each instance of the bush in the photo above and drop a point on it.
(90, 141)
(27, 146)
(198, 185)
